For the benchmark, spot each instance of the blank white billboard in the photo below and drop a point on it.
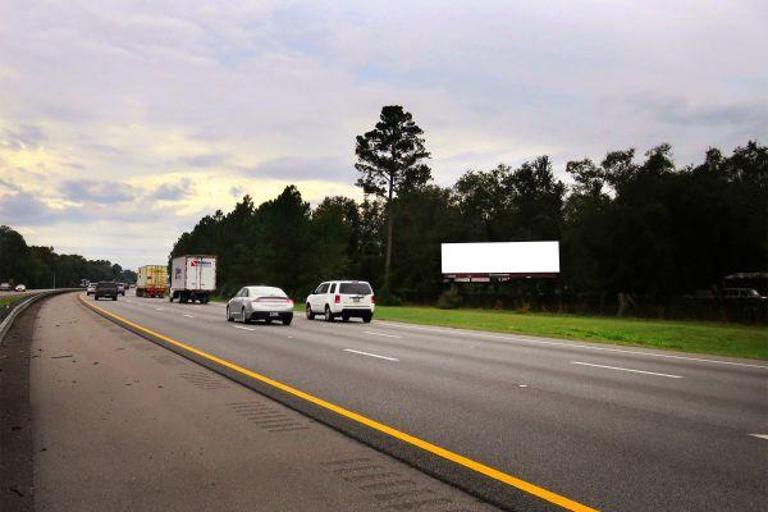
(501, 258)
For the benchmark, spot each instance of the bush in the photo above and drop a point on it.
(449, 299)
(388, 299)
(524, 307)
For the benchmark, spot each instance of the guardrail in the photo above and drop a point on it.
(19, 307)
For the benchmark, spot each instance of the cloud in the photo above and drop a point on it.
(10, 186)
(205, 160)
(303, 168)
(22, 137)
(102, 192)
(681, 112)
(172, 191)
(24, 209)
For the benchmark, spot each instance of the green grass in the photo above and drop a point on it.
(701, 337)
(7, 301)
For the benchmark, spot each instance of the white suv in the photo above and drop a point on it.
(343, 299)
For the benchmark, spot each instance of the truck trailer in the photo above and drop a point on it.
(193, 278)
(152, 281)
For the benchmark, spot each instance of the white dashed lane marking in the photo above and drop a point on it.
(384, 334)
(631, 370)
(368, 354)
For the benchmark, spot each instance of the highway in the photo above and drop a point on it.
(603, 427)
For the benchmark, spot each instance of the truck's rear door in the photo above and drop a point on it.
(201, 273)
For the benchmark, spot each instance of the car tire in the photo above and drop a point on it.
(114, 298)
(367, 318)
(287, 321)
(328, 314)
(95, 297)
(244, 319)
(344, 318)
(230, 318)
(310, 314)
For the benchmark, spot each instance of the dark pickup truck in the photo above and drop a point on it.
(105, 289)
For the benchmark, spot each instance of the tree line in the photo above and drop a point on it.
(41, 267)
(628, 224)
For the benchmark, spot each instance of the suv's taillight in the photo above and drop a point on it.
(373, 299)
(337, 299)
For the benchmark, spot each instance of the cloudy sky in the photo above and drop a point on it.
(121, 123)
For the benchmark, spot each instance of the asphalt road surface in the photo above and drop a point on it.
(116, 422)
(612, 428)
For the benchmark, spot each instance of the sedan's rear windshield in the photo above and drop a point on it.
(355, 288)
(265, 291)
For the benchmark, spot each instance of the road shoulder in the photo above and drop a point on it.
(15, 415)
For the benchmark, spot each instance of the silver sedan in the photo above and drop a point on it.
(266, 303)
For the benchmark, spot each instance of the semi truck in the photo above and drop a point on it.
(152, 281)
(193, 278)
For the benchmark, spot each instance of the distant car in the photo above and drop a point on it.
(91, 289)
(260, 303)
(21, 288)
(345, 299)
(121, 288)
(741, 293)
(105, 289)
(5, 287)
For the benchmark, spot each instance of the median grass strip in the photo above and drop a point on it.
(701, 337)
(11, 299)
(8, 302)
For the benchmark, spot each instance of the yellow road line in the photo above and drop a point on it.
(478, 467)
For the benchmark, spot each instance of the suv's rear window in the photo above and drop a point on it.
(355, 288)
(107, 285)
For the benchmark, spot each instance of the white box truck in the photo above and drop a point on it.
(193, 277)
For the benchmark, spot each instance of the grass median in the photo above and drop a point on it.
(701, 337)
(11, 299)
